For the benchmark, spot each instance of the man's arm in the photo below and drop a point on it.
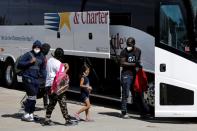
(26, 61)
(124, 63)
(138, 64)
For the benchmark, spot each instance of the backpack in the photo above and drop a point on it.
(60, 82)
(18, 70)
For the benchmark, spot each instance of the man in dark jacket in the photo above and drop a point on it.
(34, 67)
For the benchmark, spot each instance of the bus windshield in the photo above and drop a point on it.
(194, 4)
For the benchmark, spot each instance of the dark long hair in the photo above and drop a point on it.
(58, 54)
(83, 69)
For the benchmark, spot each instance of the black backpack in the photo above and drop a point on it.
(19, 71)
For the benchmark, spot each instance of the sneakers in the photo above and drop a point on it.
(27, 117)
(76, 115)
(126, 116)
(31, 115)
(37, 118)
(48, 123)
(71, 123)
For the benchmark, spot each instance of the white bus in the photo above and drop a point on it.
(165, 30)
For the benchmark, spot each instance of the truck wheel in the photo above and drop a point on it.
(9, 76)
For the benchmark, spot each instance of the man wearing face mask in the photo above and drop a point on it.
(129, 59)
(34, 67)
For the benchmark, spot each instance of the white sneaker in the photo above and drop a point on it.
(31, 117)
(125, 116)
(27, 117)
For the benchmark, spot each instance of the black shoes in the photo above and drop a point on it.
(71, 123)
(48, 123)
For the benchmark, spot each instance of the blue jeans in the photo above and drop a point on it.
(126, 82)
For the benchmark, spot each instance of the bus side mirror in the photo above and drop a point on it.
(58, 34)
(90, 36)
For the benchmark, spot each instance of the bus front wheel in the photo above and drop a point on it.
(9, 76)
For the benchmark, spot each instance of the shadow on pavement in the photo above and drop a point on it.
(37, 119)
(19, 115)
(39, 109)
(118, 114)
(15, 115)
(172, 120)
(114, 114)
(152, 119)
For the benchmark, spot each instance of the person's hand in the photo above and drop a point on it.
(89, 88)
(66, 65)
(33, 60)
(138, 64)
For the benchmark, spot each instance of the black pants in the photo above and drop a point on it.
(45, 99)
(141, 105)
(31, 88)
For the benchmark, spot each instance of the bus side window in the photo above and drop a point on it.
(172, 27)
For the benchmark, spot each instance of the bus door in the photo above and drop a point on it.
(175, 72)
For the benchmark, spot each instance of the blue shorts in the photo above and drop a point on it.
(84, 96)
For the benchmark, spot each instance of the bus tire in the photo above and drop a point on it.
(9, 77)
(149, 95)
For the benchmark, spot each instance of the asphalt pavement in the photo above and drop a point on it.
(105, 118)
